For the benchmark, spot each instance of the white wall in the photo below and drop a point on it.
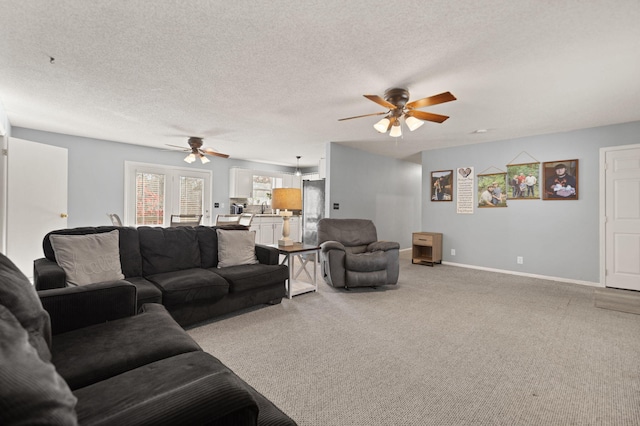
(5, 132)
(96, 173)
(558, 239)
(369, 186)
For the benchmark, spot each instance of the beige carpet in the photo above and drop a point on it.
(446, 346)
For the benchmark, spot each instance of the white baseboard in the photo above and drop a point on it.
(523, 274)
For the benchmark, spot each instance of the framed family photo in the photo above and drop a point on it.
(442, 185)
(491, 190)
(524, 181)
(560, 180)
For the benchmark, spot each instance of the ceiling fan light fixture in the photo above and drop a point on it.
(382, 125)
(190, 158)
(204, 159)
(396, 130)
(413, 123)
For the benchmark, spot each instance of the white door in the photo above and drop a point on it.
(622, 218)
(36, 198)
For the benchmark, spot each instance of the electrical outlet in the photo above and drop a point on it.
(453, 252)
(520, 260)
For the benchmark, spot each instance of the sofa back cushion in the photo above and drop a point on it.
(168, 249)
(88, 259)
(19, 297)
(349, 232)
(130, 257)
(208, 242)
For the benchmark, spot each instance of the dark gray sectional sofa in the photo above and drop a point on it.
(178, 267)
(87, 355)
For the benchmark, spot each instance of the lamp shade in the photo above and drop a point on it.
(286, 199)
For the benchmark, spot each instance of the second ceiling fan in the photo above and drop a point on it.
(399, 109)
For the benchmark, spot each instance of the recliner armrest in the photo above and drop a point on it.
(71, 308)
(383, 246)
(48, 274)
(331, 245)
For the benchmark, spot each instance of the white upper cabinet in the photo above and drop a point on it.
(240, 183)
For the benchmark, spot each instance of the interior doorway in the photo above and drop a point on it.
(620, 217)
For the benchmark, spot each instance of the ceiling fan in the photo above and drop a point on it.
(399, 108)
(197, 151)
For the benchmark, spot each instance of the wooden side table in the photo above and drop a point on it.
(426, 248)
(307, 256)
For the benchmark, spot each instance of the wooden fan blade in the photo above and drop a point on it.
(360, 116)
(211, 151)
(377, 99)
(182, 148)
(422, 115)
(431, 100)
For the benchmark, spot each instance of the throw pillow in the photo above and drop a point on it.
(236, 248)
(32, 392)
(88, 259)
(19, 296)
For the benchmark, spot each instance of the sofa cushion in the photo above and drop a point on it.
(147, 292)
(366, 262)
(88, 259)
(191, 388)
(20, 298)
(236, 248)
(130, 258)
(32, 392)
(248, 277)
(168, 249)
(208, 242)
(190, 285)
(91, 354)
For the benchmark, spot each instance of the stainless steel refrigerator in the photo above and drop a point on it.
(312, 209)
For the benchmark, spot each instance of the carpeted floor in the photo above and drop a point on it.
(446, 346)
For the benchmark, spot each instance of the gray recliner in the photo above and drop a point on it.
(352, 256)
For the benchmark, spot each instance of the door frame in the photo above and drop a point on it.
(603, 205)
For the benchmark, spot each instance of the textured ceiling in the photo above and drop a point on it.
(267, 81)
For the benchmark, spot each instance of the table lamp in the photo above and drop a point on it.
(286, 199)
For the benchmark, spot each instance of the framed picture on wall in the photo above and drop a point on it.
(560, 180)
(491, 190)
(524, 181)
(442, 185)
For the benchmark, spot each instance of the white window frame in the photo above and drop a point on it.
(172, 190)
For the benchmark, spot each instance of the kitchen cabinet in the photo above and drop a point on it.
(427, 248)
(240, 183)
(291, 181)
(268, 229)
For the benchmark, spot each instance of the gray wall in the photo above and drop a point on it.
(556, 238)
(369, 186)
(96, 173)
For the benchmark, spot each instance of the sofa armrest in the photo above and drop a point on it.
(383, 246)
(267, 255)
(48, 274)
(331, 245)
(71, 308)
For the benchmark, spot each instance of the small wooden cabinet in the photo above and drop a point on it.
(426, 248)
